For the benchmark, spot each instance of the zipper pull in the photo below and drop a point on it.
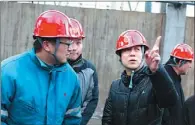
(131, 81)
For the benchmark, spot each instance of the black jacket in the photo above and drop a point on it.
(88, 78)
(141, 105)
(189, 111)
(174, 114)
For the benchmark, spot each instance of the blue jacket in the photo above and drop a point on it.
(34, 93)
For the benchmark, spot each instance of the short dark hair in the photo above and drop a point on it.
(37, 44)
(174, 60)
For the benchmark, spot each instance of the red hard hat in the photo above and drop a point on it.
(52, 23)
(183, 51)
(76, 29)
(129, 39)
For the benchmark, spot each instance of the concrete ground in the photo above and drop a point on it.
(94, 122)
(97, 116)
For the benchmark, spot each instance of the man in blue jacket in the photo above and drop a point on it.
(86, 72)
(33, 90)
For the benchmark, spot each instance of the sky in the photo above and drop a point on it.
(135, 6)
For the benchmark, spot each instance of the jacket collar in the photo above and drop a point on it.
(138, 75)
(76, 63)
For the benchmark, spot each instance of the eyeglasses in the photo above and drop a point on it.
(67, 43)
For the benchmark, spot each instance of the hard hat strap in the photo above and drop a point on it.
(56, 48)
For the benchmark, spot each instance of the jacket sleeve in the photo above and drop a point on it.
(73, 113)
(186, 115)
(107, 113)
(7, 93)
(189, 111)
(91, 100)
(164, 88)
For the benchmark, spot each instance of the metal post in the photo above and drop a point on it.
(174, 28)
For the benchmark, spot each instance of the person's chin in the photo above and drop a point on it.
(76, 57)
(133, 65)
(73, 57)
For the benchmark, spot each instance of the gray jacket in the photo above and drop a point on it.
(89, 87)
